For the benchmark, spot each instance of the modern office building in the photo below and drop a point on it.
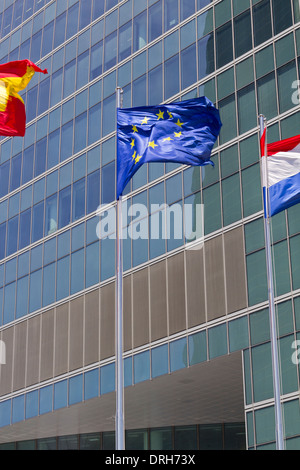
(197, 354)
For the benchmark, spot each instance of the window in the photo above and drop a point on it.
(242, 33)
(78, 209)
(282, 15)
(262, 22)
(206, 61)
(64, 211)
(25, 226)
(188, 66)
(155, 21)
(60, 30)
(171, 14)
(224, 36)
(139, 31)
(110, 51)
(125, 34)
(171, 76)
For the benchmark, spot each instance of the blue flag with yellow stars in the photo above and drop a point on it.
(183, 132)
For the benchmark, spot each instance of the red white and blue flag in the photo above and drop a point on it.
(281, 174)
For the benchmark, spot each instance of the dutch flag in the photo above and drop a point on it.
(281, 173)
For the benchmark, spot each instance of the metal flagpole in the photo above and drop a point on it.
(272, 314)
(120, 432)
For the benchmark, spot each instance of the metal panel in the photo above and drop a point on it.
(140, 308)
(20, 341)
(158, 300)
(7, 337)
(127, 313)
(61, 339)
(214, 274)
(176, 293)
(235, 270)
(76, 333)
(91, 327)
(33, 350)
(195, 287)
(47, 345)
(107, 321)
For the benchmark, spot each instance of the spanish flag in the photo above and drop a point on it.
(14, 77)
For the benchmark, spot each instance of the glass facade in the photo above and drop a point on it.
(244, 55)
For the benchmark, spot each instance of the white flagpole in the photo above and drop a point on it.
(120, 430)
(272, 314)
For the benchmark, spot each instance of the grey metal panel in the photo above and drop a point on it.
(158, 300)
(19, 361)
(61, 339)
(33, 350)
(127, 313)
(92, 327)
(235, 268)
(7, 337)
(76, 313)
(176, 293)
(47, 345)
(215, 282)
(195, 287)
(107, 321)
(140, 308)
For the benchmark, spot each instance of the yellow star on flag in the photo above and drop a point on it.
(152, 144)
(177, 134)
(170, 114)
(145, 120)
(167, 138)
(133, 156)
(179, 123)
(134, 128)
(137, 159)
(160, 115)
(132, 143)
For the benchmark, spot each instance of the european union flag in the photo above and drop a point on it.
(183, 132)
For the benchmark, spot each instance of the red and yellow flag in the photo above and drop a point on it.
(14, 77)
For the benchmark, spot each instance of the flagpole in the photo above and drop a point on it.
(120, 430)
(272, 314)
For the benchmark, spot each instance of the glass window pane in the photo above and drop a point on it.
(155, 21)
(264, 61)
(140, 31)
(295, 253)
(171, 14)
(242, 33)
(231, 198)
(257, 277)
(178, 354)
(282, 15)
(286, 74)
(197, 348)
(49, 284)
(62, 284)
(188, 66)
(247, 114)
(212, 211)
(206, 61)
(262, 372)
(171, 67)
(252, 195)
(159, 361)
(228, 118)
(224, 36)
(217, 341)
(262, 22)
